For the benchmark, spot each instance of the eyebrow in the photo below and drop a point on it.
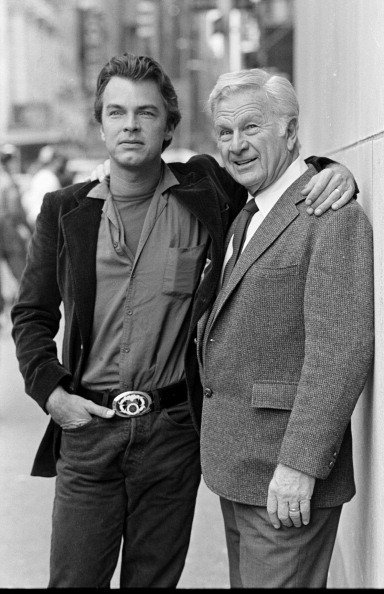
(117, 105)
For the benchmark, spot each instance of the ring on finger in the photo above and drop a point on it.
(338, 190)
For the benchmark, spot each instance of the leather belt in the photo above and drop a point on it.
(134, 403)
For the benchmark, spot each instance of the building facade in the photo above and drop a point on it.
(339, 76)
(51, 52)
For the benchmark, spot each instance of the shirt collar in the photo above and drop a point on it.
(267, 198)
(166, 181)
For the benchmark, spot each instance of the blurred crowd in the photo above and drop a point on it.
(20, 204)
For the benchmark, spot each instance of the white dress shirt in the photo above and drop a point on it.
(266, 200)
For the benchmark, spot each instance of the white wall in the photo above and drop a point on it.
(339, 77)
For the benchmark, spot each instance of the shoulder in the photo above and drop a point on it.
(340, 229)
(205, 164)
(58, 203)
(350, 214)
(72, 192)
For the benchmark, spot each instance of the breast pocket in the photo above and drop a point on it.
(182, 270)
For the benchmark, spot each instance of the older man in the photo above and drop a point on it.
(286, 348)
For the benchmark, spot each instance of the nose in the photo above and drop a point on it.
(131, 123)
(238, 142)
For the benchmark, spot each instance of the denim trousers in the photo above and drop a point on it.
(128, 484)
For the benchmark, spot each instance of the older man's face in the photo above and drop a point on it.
(252, 146)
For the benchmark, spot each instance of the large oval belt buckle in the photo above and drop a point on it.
(131, 404)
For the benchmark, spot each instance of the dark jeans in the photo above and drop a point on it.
(125, 480)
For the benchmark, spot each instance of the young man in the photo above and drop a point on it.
(125, 257)
(285, 350)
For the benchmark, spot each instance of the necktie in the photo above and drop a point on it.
(243, 220)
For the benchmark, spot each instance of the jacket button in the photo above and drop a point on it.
(331, 464)
(335, 454)
(195, 340)
(208, 392)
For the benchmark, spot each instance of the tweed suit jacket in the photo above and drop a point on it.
(286, 351)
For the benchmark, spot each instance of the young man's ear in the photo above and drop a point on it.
(169, 132)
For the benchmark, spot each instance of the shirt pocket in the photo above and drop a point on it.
(182, 270)
(274, 395)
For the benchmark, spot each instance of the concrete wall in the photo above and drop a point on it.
(339, 76)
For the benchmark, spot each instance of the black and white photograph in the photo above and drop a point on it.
(191, 294)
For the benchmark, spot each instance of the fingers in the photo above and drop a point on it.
(317, 185)
(295, 513)
(278, 512)
(328, 189)
(272, 511)
(97, 410)
(345, 198)
(300, 512)
(295, 518)
(305, 509)
(283, 514)
(322, 197)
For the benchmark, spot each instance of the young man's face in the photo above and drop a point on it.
(253, 149)
(134, 123)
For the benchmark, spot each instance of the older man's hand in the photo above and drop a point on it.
(332, 187)
(101, 171)
(290, 489)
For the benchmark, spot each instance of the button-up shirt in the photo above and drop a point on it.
(266, 200)
(143, 300)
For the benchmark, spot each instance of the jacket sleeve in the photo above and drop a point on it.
(339, 339)
(36, 314)
(235, 194)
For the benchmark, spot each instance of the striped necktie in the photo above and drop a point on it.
(242, 222)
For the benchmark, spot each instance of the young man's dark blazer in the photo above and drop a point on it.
(61, 267)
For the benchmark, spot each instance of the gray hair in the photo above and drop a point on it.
(278, 90)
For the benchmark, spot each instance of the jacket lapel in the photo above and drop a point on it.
(80, 230)
(274, 224)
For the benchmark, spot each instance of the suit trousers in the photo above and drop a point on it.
(125, 480)
(261, 556)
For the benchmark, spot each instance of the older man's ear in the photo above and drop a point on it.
(292, 138)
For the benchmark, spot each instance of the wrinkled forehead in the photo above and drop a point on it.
(237, 104)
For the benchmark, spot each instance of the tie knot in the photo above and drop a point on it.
(251, 206)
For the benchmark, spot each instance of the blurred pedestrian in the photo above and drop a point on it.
(125, 256)
(15, 230)
(49, 166)
(286, 349)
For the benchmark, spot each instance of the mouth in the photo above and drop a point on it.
(244, 162)
(131, 143)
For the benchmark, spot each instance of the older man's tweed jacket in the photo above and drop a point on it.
(286, 352)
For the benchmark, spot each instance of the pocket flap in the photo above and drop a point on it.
(281, 396)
